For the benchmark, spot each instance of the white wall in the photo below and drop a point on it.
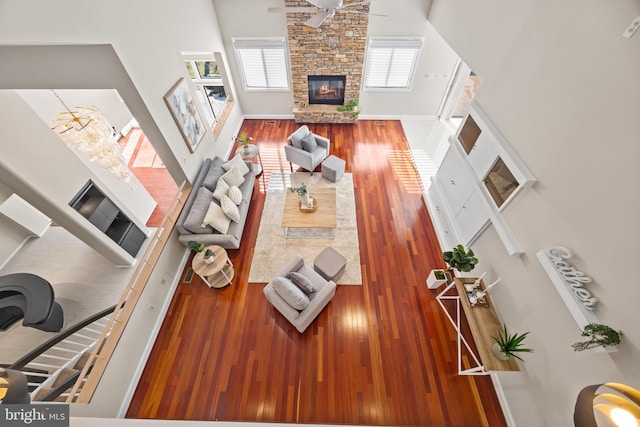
(135, 48)
(561, 84)
(251, 19)
(131, 195)
(408, 19)
(149, 46)
(434, 69)
(11, 237)
(35, 168)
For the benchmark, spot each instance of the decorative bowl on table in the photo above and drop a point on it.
(308, 207)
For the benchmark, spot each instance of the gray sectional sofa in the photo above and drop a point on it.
(190, 222)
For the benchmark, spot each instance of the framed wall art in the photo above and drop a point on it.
(184, 112)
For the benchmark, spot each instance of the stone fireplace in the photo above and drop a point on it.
(327, 90)
(336, 48)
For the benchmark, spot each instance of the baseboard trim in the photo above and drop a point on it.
(268, 116)
(502, 398)
(361, 117)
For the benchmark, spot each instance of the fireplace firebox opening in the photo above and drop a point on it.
(326, 89)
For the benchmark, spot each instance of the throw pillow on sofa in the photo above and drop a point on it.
(289, 292)
(238, 163)
(221, 189)
(194, 220)
(301, 281)
(230, 209)
(233, 177)
(216, 218)
(235, 195)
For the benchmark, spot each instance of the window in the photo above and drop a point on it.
(208, 84)
(391, 62)
(263, 63)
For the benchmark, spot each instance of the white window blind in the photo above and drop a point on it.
(263, 63)
(391, 63)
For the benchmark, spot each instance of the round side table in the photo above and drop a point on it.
(251, 152)
(219, 273)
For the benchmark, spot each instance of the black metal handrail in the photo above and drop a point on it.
(24, 360)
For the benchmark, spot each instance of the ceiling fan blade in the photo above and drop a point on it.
(360, 13)
(326, 4)
(355, 4)
(317, 19)
(302, 9)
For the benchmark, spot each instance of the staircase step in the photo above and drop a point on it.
(41, 393)
(82, 361)
(64, 375)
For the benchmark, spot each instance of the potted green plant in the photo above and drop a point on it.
(460, 259)
(207, 256)
(508, 345)
(436, 278)
(303, 192)
(352, 106)
(245, 140)
(599, 336)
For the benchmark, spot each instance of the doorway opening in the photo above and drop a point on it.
(146, 165)
(462, 89)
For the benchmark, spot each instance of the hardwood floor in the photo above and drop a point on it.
(379, 354)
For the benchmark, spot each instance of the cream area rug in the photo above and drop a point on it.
(273, 250)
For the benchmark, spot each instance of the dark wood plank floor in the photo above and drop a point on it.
(379, 354)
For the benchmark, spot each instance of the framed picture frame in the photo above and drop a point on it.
(180, 102)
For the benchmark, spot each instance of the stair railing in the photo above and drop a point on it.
(86, 384)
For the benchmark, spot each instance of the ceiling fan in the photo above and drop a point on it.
(323, 9)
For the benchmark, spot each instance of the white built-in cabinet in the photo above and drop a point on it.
(463, 202)
(478, 177)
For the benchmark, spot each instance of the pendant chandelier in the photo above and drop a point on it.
(87, 130)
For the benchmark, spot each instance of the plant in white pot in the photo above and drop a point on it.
(460, 259)
(245, 140)
(207, 256)
(436, 278)
(303, 192)
(507, 345)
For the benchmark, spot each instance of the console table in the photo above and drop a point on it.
(483, 322)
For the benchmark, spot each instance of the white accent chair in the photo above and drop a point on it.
(296, 154)
(318, 300)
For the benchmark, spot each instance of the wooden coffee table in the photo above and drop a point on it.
(304, 225)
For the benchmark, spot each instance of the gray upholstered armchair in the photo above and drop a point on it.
(298, 306)
(306, 149)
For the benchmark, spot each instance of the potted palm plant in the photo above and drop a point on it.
(460, 259)
(207, 256)
(508, 345)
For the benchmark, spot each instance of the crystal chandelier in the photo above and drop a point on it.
(87, 130)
